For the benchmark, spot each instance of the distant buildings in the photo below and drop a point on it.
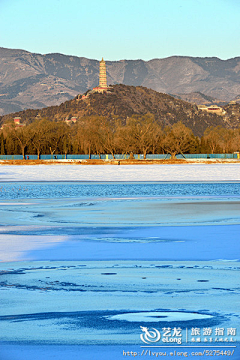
(214, 109)
(16, 121)
(70, 121)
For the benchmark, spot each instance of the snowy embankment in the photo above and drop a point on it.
(189, 172)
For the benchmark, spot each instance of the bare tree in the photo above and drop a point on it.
(91, 135)
(177, 139)
(109, 136)
(22, 135)
(141, 134)
(236, 140)
(39, 129)
(57, 135)
(226, 140)
(212, 137)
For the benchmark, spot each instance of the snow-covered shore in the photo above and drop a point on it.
(181, 172)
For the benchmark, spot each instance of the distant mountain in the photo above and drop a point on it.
(237, 99)
(123, 101)
(200, 99)
(30, 80)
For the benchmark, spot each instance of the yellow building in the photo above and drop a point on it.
(214, 109)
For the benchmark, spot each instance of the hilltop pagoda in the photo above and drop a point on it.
(102, 87)
(102, 78)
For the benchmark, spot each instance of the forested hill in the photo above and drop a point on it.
(123, 101)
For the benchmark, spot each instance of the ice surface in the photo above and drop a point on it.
(79, 302)
(159, 316)
(88, 191)
(158, 228)
(182, 172)
(102, 255)
(69, 309)
(13, 247)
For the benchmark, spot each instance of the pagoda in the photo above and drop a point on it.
(102, 78)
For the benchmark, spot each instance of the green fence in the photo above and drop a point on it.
(120, 156)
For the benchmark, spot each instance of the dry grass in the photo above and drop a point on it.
(114, 162)
(27, 162)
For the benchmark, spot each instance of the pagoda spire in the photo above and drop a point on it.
(102, 74)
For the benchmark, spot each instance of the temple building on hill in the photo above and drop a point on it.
(102, 78)
(214, 109)
(102, 87)
(17, 123)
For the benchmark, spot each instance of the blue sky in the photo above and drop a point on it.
(122, 29)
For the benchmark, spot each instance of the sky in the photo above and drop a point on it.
(122, 29)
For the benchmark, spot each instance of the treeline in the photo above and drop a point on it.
(97, 135)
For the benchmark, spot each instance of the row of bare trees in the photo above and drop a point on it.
(97, 135)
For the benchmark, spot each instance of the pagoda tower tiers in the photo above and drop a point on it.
(102, 74)
(102, 78)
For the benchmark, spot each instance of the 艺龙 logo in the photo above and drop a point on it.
(149, 336)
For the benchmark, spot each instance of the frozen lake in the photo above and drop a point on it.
(99, 303)
(126, 173)
(102, 221)
(85, 265)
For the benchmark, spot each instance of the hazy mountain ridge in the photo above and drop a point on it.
(200, 99)
(29, 80)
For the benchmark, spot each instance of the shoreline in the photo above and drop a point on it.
(139, 171)
(120, 162)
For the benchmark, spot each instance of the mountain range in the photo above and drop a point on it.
(29, 80)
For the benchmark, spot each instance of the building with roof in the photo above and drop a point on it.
(214, 109)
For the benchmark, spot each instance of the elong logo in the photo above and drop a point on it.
(150, 336)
